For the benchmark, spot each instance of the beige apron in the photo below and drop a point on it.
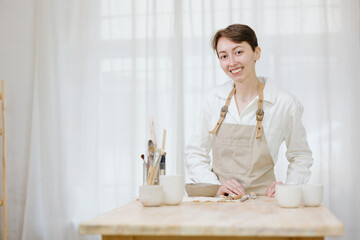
(241, 153)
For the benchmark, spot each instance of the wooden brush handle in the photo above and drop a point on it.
(163, 140)
(152, 130)
(151, 175)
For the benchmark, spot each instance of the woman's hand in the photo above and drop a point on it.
(231, 187)
(271, 190)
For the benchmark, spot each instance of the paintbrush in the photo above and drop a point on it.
(154, 169)
(156, 173)
(161, 155)
(162, 170)
(163, 142)
(152, 131)
(143, 158)
(145, 169)
(163, 165)
(149, 163)
(151, 152)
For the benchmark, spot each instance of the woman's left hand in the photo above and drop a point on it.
(271, 190)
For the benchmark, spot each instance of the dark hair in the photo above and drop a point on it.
(237, 33)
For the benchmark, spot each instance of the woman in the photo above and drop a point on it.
(255, 118)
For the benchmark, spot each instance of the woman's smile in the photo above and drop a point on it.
(236, 70)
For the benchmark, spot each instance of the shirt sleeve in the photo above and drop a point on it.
(298, 152)
(197, 158)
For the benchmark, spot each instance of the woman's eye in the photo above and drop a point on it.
(239, 52)
(223, 57)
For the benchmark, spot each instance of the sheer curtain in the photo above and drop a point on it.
(62, 183)
(102, 67)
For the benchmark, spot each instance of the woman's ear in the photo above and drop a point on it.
(257, 53)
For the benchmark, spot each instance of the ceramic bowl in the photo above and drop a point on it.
(151, 195)
(288, 196)
(201, 189)
(312, 194)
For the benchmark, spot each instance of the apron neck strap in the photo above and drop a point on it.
(259, 112)
(223, 111)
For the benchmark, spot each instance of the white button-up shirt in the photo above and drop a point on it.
(282, 122)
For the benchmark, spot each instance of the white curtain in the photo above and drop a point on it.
(100, 68)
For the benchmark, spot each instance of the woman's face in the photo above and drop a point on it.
(237, 59)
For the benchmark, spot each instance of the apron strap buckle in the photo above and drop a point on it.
(260, 114)
(224, 110)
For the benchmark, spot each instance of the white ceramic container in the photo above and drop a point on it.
(173, 186)
(312, 194)
(151, 195)
(288, 195)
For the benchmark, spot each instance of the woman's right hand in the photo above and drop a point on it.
(231, 187)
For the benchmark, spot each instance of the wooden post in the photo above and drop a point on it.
(4, 202)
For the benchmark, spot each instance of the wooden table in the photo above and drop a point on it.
(253, 219)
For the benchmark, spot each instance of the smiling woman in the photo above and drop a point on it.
(243, 153)
(84, 75)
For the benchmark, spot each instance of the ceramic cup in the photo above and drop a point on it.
(173, 187)
(288, 195)
(312, 194)
(151, 195)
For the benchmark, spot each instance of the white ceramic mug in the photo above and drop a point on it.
(312, 194)
(151, 195)
(173, 186)
(288, 195)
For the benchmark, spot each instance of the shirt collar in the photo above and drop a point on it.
(270, 90)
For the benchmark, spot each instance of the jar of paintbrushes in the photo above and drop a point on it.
(154, 163)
